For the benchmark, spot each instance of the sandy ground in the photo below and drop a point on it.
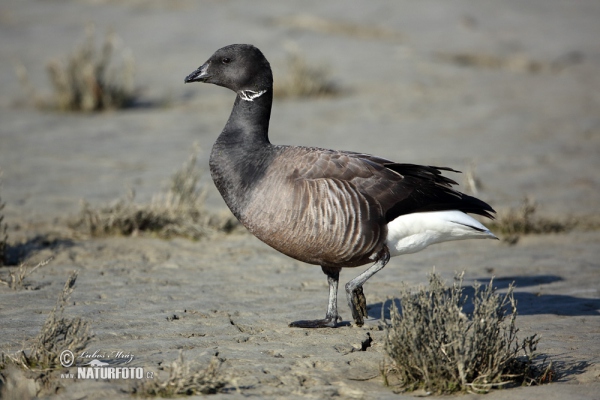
(524, 112)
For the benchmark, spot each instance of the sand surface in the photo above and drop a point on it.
(510, 89)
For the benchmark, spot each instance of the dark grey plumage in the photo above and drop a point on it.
(323, 207)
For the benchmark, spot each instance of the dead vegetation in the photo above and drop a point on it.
(517, 62)
(313, 23)
(471, 182)
(16, 276)
(29, 372)
(514, 223)
(90, 79)
(179, 212)
(436, 345)
(184, 380)
(58, 334)
(304, 80)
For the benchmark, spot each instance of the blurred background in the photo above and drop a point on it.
(99, 136)
(92, 99)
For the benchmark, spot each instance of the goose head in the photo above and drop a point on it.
(239, 67)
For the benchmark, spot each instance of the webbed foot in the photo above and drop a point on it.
(358, 304)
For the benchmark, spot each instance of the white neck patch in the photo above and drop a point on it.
(250, 95)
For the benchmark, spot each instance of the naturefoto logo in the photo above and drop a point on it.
(102, 365)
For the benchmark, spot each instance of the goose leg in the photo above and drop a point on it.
(354, 291)
(332, 316)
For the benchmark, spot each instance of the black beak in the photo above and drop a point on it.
(199, 75)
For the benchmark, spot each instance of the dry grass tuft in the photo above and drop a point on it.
(472, 183)
(524, 221)
(437, 346)
(517, 62)
(185, 381)
(16, 276)
(58, 333)
(89, 81)
(178, 212)
(313, 23)
(304, 80)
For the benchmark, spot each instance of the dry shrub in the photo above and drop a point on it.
(312, 23)
(304, 80)
(435, 345)
(184, 380)
(58, 333)
(90, 80)
(16, 276)
(178, 212)
(517, 62)
(524, 221)
(163, 217)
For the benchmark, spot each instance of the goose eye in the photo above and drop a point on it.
(226, 60)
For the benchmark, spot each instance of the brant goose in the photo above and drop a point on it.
(330, 208)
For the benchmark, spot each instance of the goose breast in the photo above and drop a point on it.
(309, 205)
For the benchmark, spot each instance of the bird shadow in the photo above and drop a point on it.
(533, 302)
(536, 302)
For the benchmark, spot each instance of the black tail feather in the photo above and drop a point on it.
(431, 191)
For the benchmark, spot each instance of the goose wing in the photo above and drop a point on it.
(332, 207)
(398, 188)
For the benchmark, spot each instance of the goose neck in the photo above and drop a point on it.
(249, 119)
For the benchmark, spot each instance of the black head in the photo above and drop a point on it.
(237, 67)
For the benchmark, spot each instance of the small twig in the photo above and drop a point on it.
(18, 275)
